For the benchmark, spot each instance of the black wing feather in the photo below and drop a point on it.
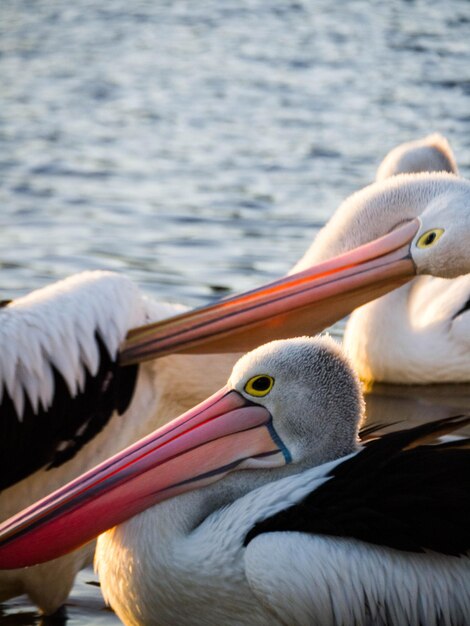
(50, 438)
(396, 492)
(464, 309)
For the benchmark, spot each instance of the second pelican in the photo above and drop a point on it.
(420, 333)
(241, 530)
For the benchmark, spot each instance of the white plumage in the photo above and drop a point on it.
(334, 581)
(184, 560)
(419, 333)
(52, 327)
(430, 154)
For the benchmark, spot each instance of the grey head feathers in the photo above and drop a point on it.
(315, 400)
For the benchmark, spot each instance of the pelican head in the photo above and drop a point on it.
(290, 403)
(439, 205)
(439, 249)
(312, 393)
(430, 154)
(445, 216)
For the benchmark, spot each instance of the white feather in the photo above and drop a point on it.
(56, 326)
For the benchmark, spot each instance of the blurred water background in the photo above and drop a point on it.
(199, 146)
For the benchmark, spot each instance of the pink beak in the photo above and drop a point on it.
(299, 304)
(199, 447)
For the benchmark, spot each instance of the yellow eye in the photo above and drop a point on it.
(429, 238)
(259, 385)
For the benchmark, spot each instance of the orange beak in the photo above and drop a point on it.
(300, 304)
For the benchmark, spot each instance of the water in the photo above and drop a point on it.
(85, 607)
(199, 146)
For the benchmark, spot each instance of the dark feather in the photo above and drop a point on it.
(464, 308)
(396, 492)
(370, 431)
(50, 438)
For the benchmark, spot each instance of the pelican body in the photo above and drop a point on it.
(420, 333)
(258, 507)
(74, 376)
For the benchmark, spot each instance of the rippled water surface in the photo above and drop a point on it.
(199, 146)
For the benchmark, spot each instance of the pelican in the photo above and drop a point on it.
(67, 392)
(257, 507)
(420, 332)
(69, 401)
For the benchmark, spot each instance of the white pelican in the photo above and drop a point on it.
(380, 536)
(66, 403)
(420, 333)
(58, 346)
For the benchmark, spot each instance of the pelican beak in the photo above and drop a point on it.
(299, 304)
(222, 433)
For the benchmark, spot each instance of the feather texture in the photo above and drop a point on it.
(398, 491)
(59, 378)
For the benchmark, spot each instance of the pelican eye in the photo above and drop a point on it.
(259, 385)
(429, 238)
